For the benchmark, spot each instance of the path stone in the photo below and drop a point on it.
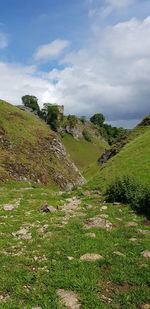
(145, 306)
(46, 208)
(119, 253)
(103, 208)
(133, 239)
(23, 233)
(69, 299)
(4, 299)
(144, 232)
(90, 235)
(91, 257)
(9, 207)
(70, 258)
(104, 216)
(146, 254)
(131, 223)
(98, 222)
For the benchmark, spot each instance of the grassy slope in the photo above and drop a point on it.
(29, 280)
(133, 159)
(28, 147)
(84, 154)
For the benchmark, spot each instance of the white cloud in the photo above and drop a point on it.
(3, 40)
(105, 8)
(16, 81)
(51, 50)
(111, 75)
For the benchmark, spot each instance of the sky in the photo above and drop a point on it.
(92, 56)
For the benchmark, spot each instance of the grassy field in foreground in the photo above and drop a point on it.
(85, 154)
(33, 269)
(133, 160)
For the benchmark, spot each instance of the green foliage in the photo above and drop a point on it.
(50, 114)
(114, 134)
(31, 102)
(98, 119)
(87, 135)
(72, 121)
(127, 190)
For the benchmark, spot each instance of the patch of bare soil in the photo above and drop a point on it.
(109, 289)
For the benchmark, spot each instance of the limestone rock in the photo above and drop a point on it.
(91, 257)
(69, 299)
(146, 254)
(46, 208)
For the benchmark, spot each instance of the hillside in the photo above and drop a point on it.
(85, 154)
(29, 150)
(133, 159)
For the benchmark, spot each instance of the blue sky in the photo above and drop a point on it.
(90, 55)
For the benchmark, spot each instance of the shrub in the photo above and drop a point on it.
(72, 121)
(87, 136)
(127, 190)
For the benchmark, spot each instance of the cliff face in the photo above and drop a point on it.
(29, 150)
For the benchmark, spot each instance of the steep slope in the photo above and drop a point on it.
(133, 159)
(29, 150)
(85, 154)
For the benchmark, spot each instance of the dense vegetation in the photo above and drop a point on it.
(128, 191)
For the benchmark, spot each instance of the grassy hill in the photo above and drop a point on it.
(29, 150)
(133, 159)
(85, 154)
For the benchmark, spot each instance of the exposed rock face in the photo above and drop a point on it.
(27, 110)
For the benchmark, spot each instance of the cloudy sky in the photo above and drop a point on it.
(92, 56)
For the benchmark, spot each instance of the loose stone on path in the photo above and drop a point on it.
(91, 257)
(90, 235)
(131, 223)
(69, 299)
(98, 222)
(146, 254)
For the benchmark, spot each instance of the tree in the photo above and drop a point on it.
(50, 114)
(98, 119)
(31, 102)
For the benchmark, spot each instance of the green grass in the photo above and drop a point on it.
(31, 282)
(132, 160)
(27, 149)
(84, 154)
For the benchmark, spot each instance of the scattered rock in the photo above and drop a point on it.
(91, 257)
(69, 299)
(133, 239)
(89, 206)
(23, 233)
(144, 232)
(106, 299)
(145, 306)
(36, 308)
(103, 208)
(146, 254)
(119, 219)
(90, 235)
(119, 253)
(131, 223)
(104, 216)
(9, 207)
(4, 299)
(46, 208)
(70, 258)
(98, 222)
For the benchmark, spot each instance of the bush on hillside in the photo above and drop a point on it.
(72, 121)
(127, 190)
(31, 102)
(87, 135)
